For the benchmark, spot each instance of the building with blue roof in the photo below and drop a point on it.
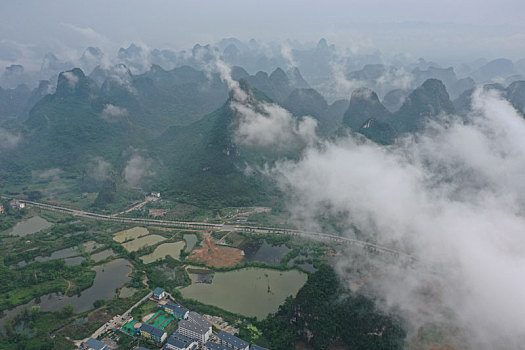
(232, 341)
(176, 344)
(257, 347)
(175, 310)
(93, 344)
(159, 293)
(179, 336)
(215, 346)
(150, 332)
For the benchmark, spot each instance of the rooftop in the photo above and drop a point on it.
(233, 340)
(198, 319)
(158, 291)
(193, 327)
(176, 308)
(215, 346)
(179, 336)
(257, 347)
(152, 330)
(177, 343)
(95, 344)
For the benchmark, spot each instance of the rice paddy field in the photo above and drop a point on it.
(132, 233)
(144, 241)
(171, 249)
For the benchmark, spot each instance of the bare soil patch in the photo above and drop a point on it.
(216, 256)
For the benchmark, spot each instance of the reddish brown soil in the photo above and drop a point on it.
(216, 256)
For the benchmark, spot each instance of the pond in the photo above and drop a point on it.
(264, 252)
(304, 265)
(30, 226)
(109, 277)
(65, 253)
(171, 249)
(191, 240)
(249, 291)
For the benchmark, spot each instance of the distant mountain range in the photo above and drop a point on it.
(180, 123)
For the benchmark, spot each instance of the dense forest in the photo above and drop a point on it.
(324, 314)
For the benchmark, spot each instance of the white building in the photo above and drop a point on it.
(195, 327)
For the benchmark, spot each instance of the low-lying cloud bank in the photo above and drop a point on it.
(139, 168)
(451, 195)
(112, 113)
(8, 140)
(264, 124)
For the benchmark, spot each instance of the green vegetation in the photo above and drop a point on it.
(331, 315)
(21, 285)
(41, 324)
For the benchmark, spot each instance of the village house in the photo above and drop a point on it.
(159, 294)
(16, 204)
(232, 341)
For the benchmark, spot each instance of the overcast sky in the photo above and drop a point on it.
(428, 28)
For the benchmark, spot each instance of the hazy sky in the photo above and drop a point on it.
(429, 28)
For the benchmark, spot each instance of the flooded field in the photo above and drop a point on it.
(132, 233)
(109, 277)
(30, 226)
(102, 255)
(75, 260)
(171, 249)
(66, 253)
(264, 252)
(251, 291)
(191, 240)
(142, 242)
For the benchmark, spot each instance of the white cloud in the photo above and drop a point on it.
(52, 174)
(269, 125)
(8, 140)
(138, 169)
(286, 52)
(112, 113)
(71, 78)
(225, 74)
(454, 197)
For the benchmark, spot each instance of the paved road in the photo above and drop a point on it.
(372, 247)
(116, 321)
